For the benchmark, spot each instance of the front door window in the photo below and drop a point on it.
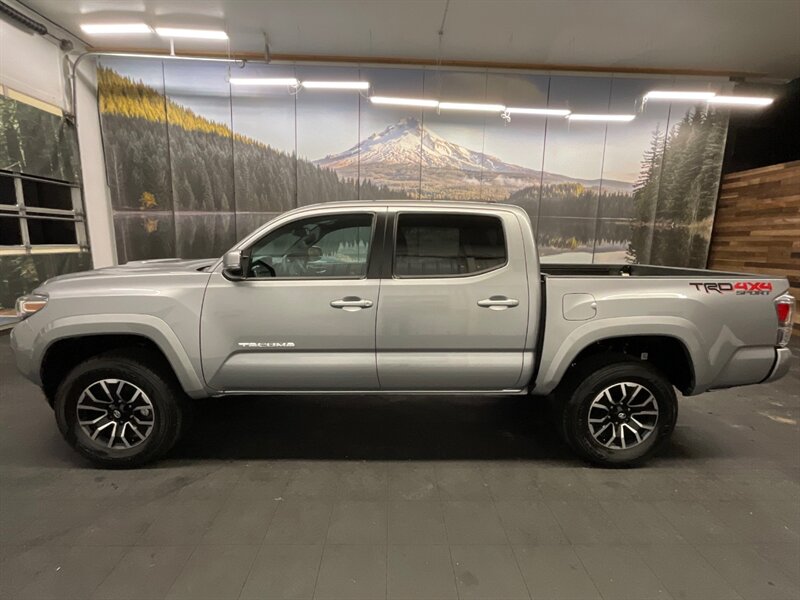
(328, 246)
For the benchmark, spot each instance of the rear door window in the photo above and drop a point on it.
(447, 245)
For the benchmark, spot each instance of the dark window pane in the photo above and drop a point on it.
(9, 231)
(38, 194)
(326, 246)
(7, 193)
(431, 245)
(51, 231)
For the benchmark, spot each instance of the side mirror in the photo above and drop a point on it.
(234, 265)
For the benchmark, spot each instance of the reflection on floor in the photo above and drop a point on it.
(405, 498)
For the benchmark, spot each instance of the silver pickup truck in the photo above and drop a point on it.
(395, 298)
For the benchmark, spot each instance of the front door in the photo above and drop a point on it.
(304, 316)
(454, 309)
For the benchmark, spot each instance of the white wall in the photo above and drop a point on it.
(96, 195)
(31, 64)
(34, 65)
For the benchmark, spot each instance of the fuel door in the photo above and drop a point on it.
(579, 307)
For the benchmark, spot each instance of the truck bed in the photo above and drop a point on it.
(702, 309)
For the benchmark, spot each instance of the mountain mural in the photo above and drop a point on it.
(185, 184)
(393, 157)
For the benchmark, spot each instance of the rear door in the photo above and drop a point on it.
(304, 317)
(454, 303)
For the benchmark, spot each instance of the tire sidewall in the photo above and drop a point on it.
(161, 395)
(576, 413)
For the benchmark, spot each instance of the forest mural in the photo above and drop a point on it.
(194, 163)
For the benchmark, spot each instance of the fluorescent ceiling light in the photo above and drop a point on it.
(742, 100)
(115, 28)
(471, 106)
(199, 34)
(170, 57)
(553, 112)
(336, 85)
(616, 118)
(263, 81)
(677, 95)
(404, 101)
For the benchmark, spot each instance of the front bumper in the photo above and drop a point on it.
(783, 359)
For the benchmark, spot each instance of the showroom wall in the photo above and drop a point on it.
(757, 227)
(194, 163)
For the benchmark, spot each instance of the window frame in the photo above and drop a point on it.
(375, 240)
(392, 243)
(21, 214)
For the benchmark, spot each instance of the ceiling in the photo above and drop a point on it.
(730, 36)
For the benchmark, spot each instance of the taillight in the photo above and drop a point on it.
(784, 309)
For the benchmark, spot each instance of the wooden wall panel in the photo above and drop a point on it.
(757, 225)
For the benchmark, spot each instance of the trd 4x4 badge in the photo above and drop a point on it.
(740, 288)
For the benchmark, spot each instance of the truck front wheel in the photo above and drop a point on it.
(120, 409)
(619, 414)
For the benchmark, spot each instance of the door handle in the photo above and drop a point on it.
(498, 303)
(351, 303)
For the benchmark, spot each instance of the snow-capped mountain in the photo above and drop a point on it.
(405, 142)
(385, 157)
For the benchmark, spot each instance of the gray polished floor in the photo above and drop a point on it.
(347, 498)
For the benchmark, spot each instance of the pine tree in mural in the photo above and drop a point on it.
(645, 199)
(645, 190)
(676, 192)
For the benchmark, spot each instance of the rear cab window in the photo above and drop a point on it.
(447, 245)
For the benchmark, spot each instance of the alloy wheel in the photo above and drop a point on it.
(115, 413)
(623, 415)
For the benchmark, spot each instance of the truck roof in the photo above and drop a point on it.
(457, 204)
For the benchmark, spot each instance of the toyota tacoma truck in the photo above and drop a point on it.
(395, 297)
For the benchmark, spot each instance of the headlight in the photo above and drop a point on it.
(32, 303)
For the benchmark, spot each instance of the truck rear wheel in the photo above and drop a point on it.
(120, 410)
(619, 414)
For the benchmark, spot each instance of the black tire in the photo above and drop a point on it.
(158, 383)
(586, 382)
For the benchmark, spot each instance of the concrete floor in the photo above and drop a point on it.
(349, 498)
